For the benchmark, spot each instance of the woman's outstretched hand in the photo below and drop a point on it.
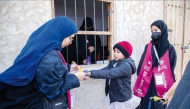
(80, 75)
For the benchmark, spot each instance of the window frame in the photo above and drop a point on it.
(109, 33)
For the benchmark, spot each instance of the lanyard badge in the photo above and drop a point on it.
(159, 79)
(159, 76)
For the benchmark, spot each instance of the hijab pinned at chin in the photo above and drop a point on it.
(47, 37)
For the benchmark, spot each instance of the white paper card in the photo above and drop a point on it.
(159, 80)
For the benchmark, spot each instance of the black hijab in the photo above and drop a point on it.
(89, 24)
(162, 43)
(82, 45)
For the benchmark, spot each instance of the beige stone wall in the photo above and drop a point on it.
(133, 20)
(132, 23)
(18, 20)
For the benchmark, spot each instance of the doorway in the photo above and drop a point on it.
(176, 16)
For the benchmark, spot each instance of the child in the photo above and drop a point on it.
(118, 78)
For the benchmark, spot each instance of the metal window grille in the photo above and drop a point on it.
(99, 10)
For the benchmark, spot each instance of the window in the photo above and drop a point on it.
(99, 12)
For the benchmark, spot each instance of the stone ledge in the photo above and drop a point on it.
(93, 66)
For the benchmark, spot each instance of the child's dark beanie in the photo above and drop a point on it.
(125, 48)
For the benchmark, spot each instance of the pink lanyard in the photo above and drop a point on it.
(63, 59)
(68, 92)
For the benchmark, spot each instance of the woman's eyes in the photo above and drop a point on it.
(155, 30)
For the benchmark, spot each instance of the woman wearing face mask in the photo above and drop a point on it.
(156, 67)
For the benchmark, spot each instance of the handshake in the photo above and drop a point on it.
(78, 72)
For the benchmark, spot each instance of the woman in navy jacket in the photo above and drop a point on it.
(39, 70)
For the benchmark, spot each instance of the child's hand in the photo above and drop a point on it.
(74, 67)
(80, 75)
(88, 74)
(73, 62)
(84, 61)
(91, 49)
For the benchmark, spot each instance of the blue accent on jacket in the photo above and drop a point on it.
(52, 76)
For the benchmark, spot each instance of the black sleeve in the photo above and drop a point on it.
(91, 39)
(173, 58)
(98, 44)
(141, 60)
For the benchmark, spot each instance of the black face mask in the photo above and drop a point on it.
(155, 35)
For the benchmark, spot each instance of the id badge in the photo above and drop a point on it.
(72, 97)
(159, 79)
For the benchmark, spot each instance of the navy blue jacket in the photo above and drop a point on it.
(120, 75)
(52, 78)
(181, 96)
